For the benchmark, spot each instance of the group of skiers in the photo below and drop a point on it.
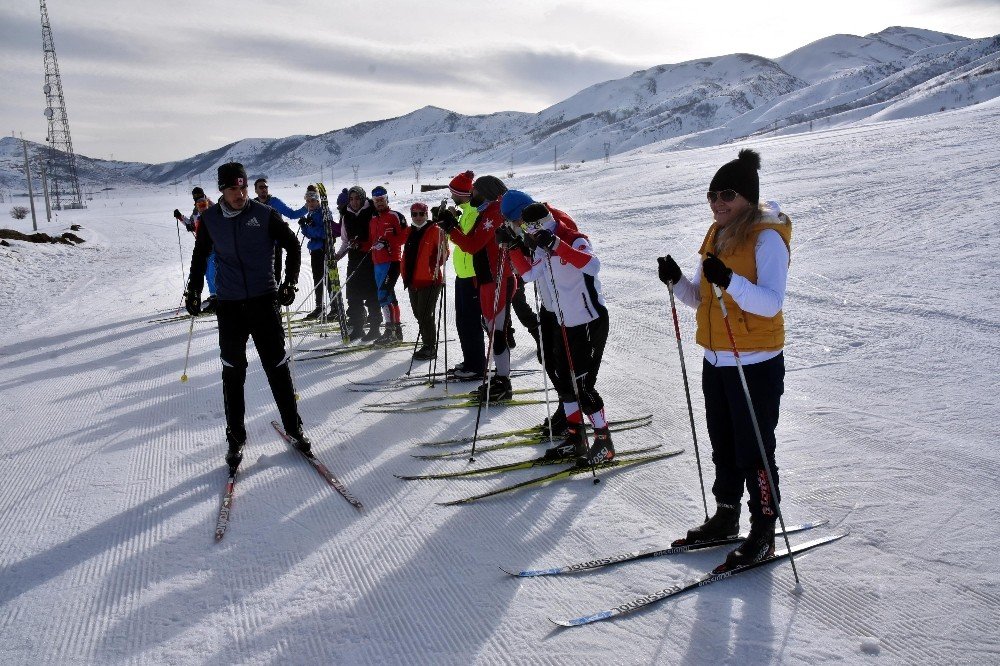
(503, 239)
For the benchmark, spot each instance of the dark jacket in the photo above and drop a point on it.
(244, 251)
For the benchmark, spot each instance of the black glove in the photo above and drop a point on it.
(303, 221)
(716, 272)
(177, 214)
(286, 293)
(545, 239)
(447, 220)
(192, 303)
(670, 272)
(507, 236)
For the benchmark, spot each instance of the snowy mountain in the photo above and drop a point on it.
(839, 80)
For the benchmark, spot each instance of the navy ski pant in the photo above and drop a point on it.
(735, 451)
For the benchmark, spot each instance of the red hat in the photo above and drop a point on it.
(461, 185)
(422, 207)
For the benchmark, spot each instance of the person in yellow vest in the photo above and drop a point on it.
(746, 252)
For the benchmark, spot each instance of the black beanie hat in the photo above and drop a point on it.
(197, 193)
(490, 187)
(740, 175)
(232, 174)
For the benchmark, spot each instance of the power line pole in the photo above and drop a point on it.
(62, 159)
(607, 152)
(27, 175)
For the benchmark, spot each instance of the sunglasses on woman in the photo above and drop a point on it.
(726, 195)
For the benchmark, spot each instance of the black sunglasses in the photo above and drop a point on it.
(726, 195)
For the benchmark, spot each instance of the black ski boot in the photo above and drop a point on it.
(724, 524)
(566, 450)
(387, 337)
(499, 389)
(759, 545)
(315, 313)
(300, 441)
(602, 450)
(425, 354)
(355, 333)
(209, 307)
(558, 420)
(372, 335)
(397, 332)
(234, 456)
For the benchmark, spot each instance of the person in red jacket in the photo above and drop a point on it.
(422, 269)
(493, 269)
(386, 232)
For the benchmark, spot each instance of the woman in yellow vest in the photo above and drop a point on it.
(746, 252)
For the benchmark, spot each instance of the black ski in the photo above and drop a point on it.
(531, 440)
(321, 468)
(227, 506)
(680, 588)
(531, 432)
(521, 464)
(420, 379)
(590, 565)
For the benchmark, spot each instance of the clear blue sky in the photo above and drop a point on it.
(160, 81)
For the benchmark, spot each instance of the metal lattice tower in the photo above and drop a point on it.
(61, 160)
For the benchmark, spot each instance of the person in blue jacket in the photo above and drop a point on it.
(314, 229)
(264, 196)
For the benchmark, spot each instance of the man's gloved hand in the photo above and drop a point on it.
(507, 237)
(447, 220)
(177, 214)
(716, 272)
(192, 303)
(303, 221)
(670, 272)
(286, 293)
(546, 240)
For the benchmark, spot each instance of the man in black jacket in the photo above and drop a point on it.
(243, 234)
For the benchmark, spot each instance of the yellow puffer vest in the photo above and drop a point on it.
(460, 258)
(752, 332)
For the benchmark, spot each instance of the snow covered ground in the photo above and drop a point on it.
(113, 468)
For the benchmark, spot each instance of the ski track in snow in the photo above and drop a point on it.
(113, 467)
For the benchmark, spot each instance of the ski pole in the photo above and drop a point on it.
(291, 351)
(443, 260)
(756, 427)
(489, 350)
(545, 374)
(181, 250)
(687, 394)
(187, 354)
(569, 360)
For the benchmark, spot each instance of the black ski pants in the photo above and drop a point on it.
(586, 347)
(317, 260)
(735, 451)
(468, 324)
(258, 318)
(423, 302)
(362, 293)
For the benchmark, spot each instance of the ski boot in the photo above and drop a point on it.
(602, 450)
(300, 441)
(397, 332)
(355, 333)
(209, 307)
(387, 337)
(425, 354)
(558, 421)
(234, 456)
(499, 389)
(372, 335)
(725, 524)
(315, 313)
(571, 447)
(759, 545)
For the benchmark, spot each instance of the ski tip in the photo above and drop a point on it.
(561, 623)
(509, 573)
